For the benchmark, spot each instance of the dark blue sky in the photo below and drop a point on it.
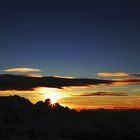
(76, 37)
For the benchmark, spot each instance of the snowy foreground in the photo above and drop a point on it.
(21, 120)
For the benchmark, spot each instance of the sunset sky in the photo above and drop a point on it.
(81, 53)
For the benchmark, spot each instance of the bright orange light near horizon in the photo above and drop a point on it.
(54, 96)
(52, 93)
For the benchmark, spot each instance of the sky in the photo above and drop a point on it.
(77, 39)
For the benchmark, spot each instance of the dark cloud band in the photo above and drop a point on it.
(20, 82)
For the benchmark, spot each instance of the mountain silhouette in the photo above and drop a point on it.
(20, 119)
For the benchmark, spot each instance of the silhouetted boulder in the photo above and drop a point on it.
(47, 102)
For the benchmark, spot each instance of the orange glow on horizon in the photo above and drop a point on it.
(67, 98)
(52, 93)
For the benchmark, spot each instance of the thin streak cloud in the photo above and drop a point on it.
(117, 74)
(104, 94)
(126, 81)
(22, 69)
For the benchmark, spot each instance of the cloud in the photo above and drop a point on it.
(126, 81)
(109, 74)
(68, 77)
(104, 94)
(22, 70)
(135, 74)
(34, 75)
(22, 82)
